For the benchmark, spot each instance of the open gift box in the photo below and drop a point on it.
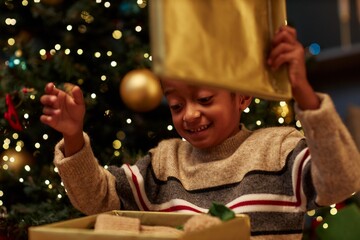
(83, 228)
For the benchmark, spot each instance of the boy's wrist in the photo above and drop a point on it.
(73, 143)
(306, 98)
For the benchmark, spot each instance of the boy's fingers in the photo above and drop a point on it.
(290, 54)
(285, 35)
(48, 100)
(77, 95)
(281, 59)
(50, 111)
(290, 30)
(287, 29)
(51, 89)
(279, 50)
(46, 119)
(45, 99)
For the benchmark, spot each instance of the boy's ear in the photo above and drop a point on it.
(244, 102)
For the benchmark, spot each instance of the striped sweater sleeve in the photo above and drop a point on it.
(90, 187)
(335, 163)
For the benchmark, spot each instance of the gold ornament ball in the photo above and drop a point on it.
(140, 90)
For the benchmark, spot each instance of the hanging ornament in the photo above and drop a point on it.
(140, 90)
(28, 90)
(11, 114)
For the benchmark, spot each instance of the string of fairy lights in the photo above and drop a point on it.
(14, 157)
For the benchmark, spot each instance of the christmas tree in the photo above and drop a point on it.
(93, 44)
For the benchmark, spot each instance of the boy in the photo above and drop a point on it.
(268, 174)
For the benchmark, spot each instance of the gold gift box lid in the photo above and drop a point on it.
(82, 228)
(219, 43)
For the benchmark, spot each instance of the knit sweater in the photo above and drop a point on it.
(268, 174)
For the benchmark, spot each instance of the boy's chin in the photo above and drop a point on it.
(202, 144)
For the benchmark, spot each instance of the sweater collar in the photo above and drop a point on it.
(224, 150)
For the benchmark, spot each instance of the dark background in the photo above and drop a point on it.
(336, 70)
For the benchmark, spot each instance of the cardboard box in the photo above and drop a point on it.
(219, 43)
(82, 228)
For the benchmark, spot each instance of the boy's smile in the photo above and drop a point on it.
(201, 128)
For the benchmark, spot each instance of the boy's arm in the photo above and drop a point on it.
(89, 186)
(335, 159)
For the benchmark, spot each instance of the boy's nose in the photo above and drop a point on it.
(191, 114)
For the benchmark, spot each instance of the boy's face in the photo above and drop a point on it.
(204, 116)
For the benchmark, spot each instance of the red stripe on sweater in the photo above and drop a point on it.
(142, 202)
(298, 183)
(280, 203)
(179, 208)
(135, 181)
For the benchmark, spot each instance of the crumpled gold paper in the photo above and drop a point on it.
(220, 43)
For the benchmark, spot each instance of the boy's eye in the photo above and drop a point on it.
(176, 107)
(205, 100)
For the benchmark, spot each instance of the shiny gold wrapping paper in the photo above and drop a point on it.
(221, 43)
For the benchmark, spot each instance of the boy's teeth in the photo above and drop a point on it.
(199, 129)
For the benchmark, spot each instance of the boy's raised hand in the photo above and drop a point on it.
(63, 111)
(286, 49)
